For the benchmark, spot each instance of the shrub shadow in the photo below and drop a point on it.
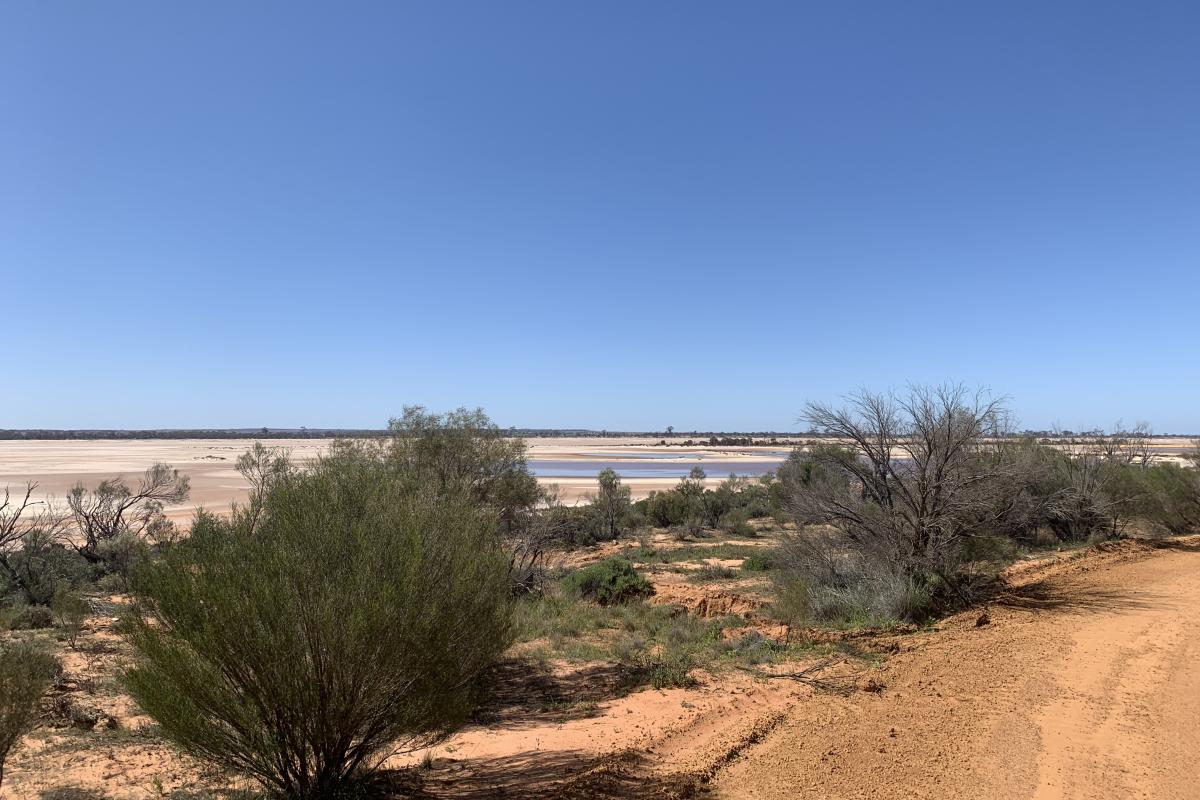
(1189, 545)
(539, 775)
(519, 693)
(72, 793)
(1050, 596)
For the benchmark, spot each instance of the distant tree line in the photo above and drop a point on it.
(723, 438)
(193, 433)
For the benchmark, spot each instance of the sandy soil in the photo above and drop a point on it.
(1078, 681)
(1081, 684)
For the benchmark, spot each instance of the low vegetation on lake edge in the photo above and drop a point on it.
(359, 604)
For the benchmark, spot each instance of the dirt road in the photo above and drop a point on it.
(1084, 682)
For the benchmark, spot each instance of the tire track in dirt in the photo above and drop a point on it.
(1082, 685)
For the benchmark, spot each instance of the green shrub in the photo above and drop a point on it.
(669, 669)
(70, 610)
(736, 523)
(609, 582)
(121, 555)
(672, 670)
(610, 506)
(712, 572)
(669, 508)
(791, 606)
(112, 584)
(881, 601)
(41, 564)
(1171, 497)
(759, 561)
(353, 620)
(27, 618)
(25, 671)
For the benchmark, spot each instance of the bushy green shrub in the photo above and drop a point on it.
(881, 601)
(737, 523)
(26, 618)
(352, 620)
(791, 605)
(669, 667)
(611, 505)
(668, 508)
(759, 561)
(1170, 497)
(691, 504)
(25, 671)
(41, 564)
(121, 554)
(609, 582)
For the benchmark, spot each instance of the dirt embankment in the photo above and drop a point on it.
(1076, 682)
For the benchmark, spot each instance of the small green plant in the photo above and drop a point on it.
(792, 604)
(737, 523)
(609, 582)
(712, 572)
(70, 610)
(28, 618)
(25, 671)
(759, 561)
(645, 537)
(111, 584)
(669, 669)
(121, 554)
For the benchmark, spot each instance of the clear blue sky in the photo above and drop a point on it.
(604, 214)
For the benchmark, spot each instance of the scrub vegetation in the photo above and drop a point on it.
(364, 603)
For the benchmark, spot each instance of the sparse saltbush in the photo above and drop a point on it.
(752, 648)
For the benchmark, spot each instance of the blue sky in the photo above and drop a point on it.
(620, 214)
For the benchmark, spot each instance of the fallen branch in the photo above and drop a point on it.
(811, 676)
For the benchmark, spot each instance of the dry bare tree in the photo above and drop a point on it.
(12, 512)
(114, 508)
(528, 542)
(1094, 495)
(1141, 445)
(1193, 455)
(1132, 447)
(908, 480)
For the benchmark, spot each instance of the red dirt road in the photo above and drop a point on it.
(1085, 683)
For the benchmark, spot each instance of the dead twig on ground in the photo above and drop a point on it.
(812, 676)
